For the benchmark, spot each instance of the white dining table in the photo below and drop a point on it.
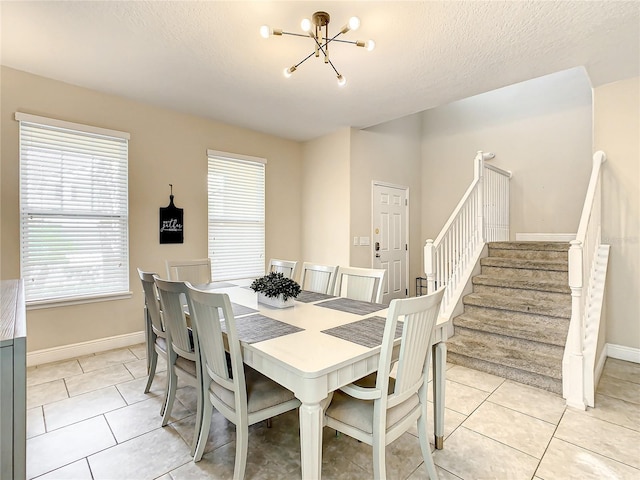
(313, 364)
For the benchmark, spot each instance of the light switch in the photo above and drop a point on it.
(355, 241)
(364, 241)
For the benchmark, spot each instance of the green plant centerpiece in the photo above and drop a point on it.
(276, 290)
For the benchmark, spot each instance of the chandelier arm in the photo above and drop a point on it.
(334, 68)
(295, 34)
(334, 39)
(304, 59)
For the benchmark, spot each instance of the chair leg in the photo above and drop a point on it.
(426, 449)
(199, 422)
(166, 390)
(171, 394)
(242, 445)
(379, 469)
(207, 412)
(152, 370)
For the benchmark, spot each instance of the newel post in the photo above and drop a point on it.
(573, 367)
(429, 265)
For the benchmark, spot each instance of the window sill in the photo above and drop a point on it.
(65, 302)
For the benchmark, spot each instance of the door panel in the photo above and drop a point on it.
(390, 231)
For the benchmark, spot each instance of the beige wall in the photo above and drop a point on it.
(617, 132)
(325, 199)
(540, 130)
(390, 153)
(165, 147)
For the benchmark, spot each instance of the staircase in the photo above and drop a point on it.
(515, 322)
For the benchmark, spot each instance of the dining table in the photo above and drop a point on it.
(315, 347)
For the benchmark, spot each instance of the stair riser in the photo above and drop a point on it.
(534, 308)
(525, 347)
(526, 273)
(532, 327)
(535, 380)
(527, 317)
(529, 254)
(534, 295)
(535, 284)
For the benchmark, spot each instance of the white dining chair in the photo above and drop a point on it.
(377, 409)
(360, 283)
(155, 334)
(182, 349)
(193, 271)
(318, 278)
(241, 394)
(286, 267)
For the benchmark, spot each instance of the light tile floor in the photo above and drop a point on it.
(88, 418)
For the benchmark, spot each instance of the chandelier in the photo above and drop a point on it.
(321, 40)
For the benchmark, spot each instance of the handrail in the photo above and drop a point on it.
(582, 260)
(481, 213)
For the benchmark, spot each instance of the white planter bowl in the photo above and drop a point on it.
(276, 302)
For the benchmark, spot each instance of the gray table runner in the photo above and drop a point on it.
(308, 297)
(367, 332)
(258, 328)
(352, 306)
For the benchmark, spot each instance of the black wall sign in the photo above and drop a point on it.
(171, 222)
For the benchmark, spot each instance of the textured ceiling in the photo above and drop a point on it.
(207, 58)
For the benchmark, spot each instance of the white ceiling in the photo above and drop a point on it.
(207, 58)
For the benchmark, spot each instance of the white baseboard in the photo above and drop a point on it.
(545, 237)
(620, 352)
(66, 352)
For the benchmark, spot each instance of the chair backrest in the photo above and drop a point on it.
(182, 339)
(192, 271)
(318, 278)
(285, 267)
(420, 316)
(360, 283)
(151, 302)
(207, 309)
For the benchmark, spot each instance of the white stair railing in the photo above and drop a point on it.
(481, 216)
(583, 259)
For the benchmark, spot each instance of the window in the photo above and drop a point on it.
(236, 215)
(73, 210)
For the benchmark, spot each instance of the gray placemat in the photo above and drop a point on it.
(367, 332)
(352, 306)
(241, 309)
(258, 328)
(307, 297)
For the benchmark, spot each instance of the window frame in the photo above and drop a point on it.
(122, 286)
(231, 158)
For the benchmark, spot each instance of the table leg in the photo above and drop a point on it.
(311, 419)
(439, 365)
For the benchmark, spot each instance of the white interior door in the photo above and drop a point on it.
(390, 241)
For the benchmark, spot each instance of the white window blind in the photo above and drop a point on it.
(73, 210)
(236, 215)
